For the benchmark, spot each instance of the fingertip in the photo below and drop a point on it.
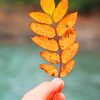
(58, 84)
(58, 81)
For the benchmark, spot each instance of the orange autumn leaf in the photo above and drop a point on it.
(66, 69)
(46, 43)
(41, 17)
(67, 39)
(56, 34)
(60, 10)
(66, 23)
(49, 69)
(50, 56)
(42, 29)
(69, 52)
(48, 6)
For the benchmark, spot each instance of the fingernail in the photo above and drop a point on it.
(58, 84)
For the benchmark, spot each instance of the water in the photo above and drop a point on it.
(19, 72)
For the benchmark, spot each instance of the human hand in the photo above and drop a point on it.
(47, 91)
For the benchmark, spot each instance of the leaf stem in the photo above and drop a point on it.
(60, 51)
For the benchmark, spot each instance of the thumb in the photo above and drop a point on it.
(45, 90)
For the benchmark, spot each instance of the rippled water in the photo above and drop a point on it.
(19, 72)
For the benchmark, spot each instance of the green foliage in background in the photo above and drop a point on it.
(84, 5)
(18, 1)
(79, 5)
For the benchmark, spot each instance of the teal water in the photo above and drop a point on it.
(19, 72)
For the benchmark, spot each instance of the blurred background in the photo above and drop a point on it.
(19, 57)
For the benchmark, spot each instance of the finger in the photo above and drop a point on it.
(45, 90)
(58, 85)
(59, 96)
(40, 92)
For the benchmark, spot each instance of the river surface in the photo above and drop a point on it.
(19, 73)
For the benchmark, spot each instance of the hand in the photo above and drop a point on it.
(47, 91)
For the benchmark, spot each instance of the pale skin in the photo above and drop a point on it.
(50, 90)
